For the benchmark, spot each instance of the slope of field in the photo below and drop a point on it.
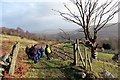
(6, 45)
(53, 69)
(8, 41)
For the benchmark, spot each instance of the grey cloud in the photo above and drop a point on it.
(33, 16)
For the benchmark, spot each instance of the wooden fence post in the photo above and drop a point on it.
(85, 52)
(89, 62)
(75, 53)
(14, 58)
(77, 41)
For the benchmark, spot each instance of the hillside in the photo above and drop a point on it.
(58, 67)
(7, 42)
(20, 32)
(6, 46)
(55, 34)
(110, 31)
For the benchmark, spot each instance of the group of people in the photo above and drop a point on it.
(35, 52)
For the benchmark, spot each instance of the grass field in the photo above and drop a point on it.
(52, 69)
(56, 68)
(99, 66)
(105, 56)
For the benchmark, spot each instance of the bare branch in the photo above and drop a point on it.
(69, 17)
(105, 22)
(110, 25)
(112, 11)
(80, 6)
(67, 35)
(73, 15)
(112, 8)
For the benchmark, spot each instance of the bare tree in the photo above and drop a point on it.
(91, 15)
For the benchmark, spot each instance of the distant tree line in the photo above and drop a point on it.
(23, 34)
(110, 44)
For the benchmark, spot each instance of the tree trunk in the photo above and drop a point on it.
(93, 50)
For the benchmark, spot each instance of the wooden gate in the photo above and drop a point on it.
(82, 54)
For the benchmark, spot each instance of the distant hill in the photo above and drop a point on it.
(110, 31)
(53, 31)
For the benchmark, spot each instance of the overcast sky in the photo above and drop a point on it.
(34, 15)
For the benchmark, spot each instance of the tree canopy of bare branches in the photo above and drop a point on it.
(90, 14)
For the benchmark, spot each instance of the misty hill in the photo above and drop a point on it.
(53, 31)
(110, 31)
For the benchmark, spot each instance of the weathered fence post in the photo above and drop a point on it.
(85, 52)
(75, 53)
(89, 62)
(77, 41)
(15, 51)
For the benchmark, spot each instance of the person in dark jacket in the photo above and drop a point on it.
(47, 52)
(42, 51)
(27, 52)
(31, 50)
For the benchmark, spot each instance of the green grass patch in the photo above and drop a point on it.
(67, 44)
(53, 69)
(47, 69)
(104, 55)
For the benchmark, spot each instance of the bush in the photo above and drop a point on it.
(106, 46)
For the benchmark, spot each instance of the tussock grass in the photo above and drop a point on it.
(99, 66)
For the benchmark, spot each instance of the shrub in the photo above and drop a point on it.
(107, 46)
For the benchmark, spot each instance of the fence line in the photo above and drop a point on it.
(63, 48)
(61, 52)
(58, 55)
(76, 53)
